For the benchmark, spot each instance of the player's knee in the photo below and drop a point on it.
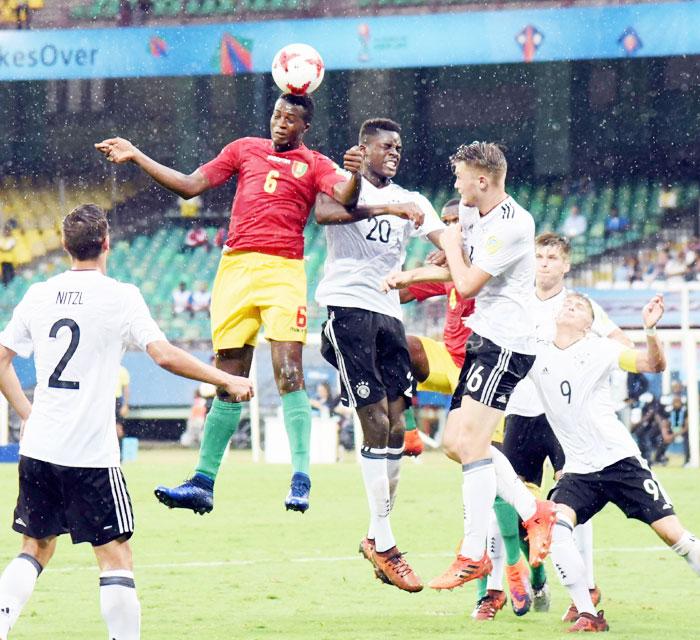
(289, 377)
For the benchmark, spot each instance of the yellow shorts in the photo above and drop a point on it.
(253, 289)
(444, 373)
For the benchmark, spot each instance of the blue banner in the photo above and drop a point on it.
(474, 37)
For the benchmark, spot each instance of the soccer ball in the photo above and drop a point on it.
(297, 69)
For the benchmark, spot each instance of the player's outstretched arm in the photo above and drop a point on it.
(10, 386)
(468, 278)
(181, 363)
(347, 193)
(119, 151)
(426, 273)
(328, 211)
(652, 359)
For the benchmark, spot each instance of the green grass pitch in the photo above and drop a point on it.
(252, 570)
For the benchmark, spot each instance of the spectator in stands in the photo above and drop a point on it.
(575, 224)
(329, 406)
(615, 223)
(675, 428)
(24, 15)
(145, 9)
(196, 237)
(649, 430)
(182, 299)
(124, 16)
(201, 299)
(675, 268)
(190, 208)
(220, 237)
(8, 244)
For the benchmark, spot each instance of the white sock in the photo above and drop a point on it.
(511, 488)
(569, 565)
(393, 470)
(688, 547)
(120, 605)
(478, 494)
(374, 473)
(17, 584)
(494, 547)
(583, 537)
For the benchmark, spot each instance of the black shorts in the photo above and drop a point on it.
(490, 373)
(369, 350)
(527, 443)
(628, 483)
(93, 505)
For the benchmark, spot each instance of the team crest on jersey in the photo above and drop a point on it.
(299, 168)
(493, 244)
(362, 389)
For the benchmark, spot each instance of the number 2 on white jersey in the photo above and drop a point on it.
(55, 381)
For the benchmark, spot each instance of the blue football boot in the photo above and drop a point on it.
(298, 496)
(197, 494)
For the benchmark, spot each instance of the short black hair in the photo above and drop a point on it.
(372, 126)
(303, 101)
(84, 231)
(451, 203)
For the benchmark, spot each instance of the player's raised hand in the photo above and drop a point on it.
(117, 150)
(353, 158)
(396, 280)
(239, 388)
(408, 211)
(653, 311)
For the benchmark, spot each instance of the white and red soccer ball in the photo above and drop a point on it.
(297, 69)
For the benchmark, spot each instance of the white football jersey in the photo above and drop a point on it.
(78, 325)
(362, 254)
(574, 386)
(524, 400)
(502, 243)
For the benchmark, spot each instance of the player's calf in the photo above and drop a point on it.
(17, 584)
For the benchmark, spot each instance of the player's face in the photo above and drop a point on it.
(287, 126)
(470, 184)
(383, 153)
(575, 313)
(450, 215)
(551, 266)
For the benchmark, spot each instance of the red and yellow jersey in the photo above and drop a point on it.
(455, 334)
(275, 193)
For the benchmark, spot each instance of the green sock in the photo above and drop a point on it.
(481, 588)
(297, 420)
(221, 423)
(538, 576)
(507, 518)
(410, 417)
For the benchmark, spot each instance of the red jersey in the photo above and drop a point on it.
(455, 334)
(275, 193)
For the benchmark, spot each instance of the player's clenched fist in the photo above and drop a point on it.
(653, 311)
(352, 160)
(451, 237)
(117, 150)
(239, 388)
(396, 280)
(408, 211)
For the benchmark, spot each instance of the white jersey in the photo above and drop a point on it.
(502, 243)
(78, 325)
(524, 400)
(574, 386)
(362, 254)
